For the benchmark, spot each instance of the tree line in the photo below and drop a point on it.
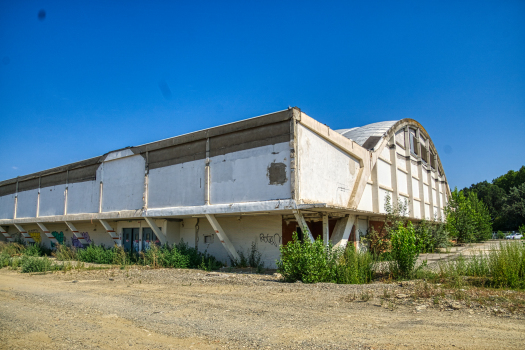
(504, 199)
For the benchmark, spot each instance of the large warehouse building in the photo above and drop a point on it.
(220, 189)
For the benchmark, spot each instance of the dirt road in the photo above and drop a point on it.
(183, 309)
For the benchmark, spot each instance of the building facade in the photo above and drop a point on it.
(221, 189)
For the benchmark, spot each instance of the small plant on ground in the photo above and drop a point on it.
(404, 251)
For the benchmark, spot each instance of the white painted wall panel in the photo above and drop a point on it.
(415, 170)
(402, 163)
(426, 197)
(427, 212)
(415, 188)
(177, 185)
(52, 200)
(436, 212)
(382, 199)
(244, 176)
(27, 204)
(366, 199)
(417, 209)
(385, 153)
(434, 196)
(404, 200)
(123, 183)
(7, 206)
(326, 173)
(83, 197)
(402, 182)
(384, 173)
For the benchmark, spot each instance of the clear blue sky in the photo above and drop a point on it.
(93, 76)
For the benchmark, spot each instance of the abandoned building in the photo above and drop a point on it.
(220, 189)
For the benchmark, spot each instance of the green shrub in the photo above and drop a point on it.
(4, 259)
(164, 256)
(37, 250)
(354, 267)
(98, 254)
(12, 248)
(196, 258)
(404, 251)
(252, 259)
(65, 253)
(500, 235)
(36, 264)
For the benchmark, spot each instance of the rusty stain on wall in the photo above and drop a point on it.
(277, 174)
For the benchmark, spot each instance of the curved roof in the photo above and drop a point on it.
(367, 136)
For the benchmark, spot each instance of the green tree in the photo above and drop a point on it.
(460, 217)
(482, 219)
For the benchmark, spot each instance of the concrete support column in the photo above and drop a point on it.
(47, 233)
(342, 231)
(393, 170)
(77, 234)
(409, 173)
(116, 239)
(375, 190)
(24, 234)
(222, 237)
(6, 235)
(302, 224)
(326, 230)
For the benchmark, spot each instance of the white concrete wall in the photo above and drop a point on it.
(366, 200)
(7, 206)
(52, 200)
(415, 188)
(402, 163)
(177, 185)
(402, 182)
(384, 173)
(417, 209)
(82, 197)
(426, 190)
(326, 173)
(385, 154)
(244, 176)
(382, 199)
(26, 207)
(264, 230)
(123, 183)
(427, 212)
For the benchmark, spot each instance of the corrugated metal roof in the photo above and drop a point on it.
(363, 133)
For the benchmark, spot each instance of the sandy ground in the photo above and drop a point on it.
(191, 309)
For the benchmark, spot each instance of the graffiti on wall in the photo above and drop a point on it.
(59, 237)
(274, 239)
(76, 243)
(35, 234)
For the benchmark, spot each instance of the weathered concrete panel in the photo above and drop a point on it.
(434, 196)
(415, 188)
(366, 200)
(427, 212)
(26, 207)
(384, 173)
(385, 153)
(256, 174)
(417, 209)
(7, 206)
(265, 231)
(326, 173)
(83, 197)
(52, 200)
(383, 194)
(123, 183)
(402, 182)
(177, 185)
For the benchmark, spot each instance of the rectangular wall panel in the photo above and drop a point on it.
(415, 188)
(417, 209)
(83, 197)
(177, 185)
(427, 212)
(426, 196)
(326, 173)
(52, 200)
(402, 182)
(256, 174)
(7, 206)
(366, 199)
(123, 184)
(383, 194)
(384, 173)
(26, 207)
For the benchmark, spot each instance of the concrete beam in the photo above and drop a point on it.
(302, 224)
(47, 233)
(24, 234)
(222, 237)
(111, 232)
(77, 234)
(160, 235)
(6, 235)
(342, 231)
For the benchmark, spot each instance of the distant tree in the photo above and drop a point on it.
(460, 217)
(514, 207)
(482, 219)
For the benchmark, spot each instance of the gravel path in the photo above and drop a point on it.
(182, 309)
